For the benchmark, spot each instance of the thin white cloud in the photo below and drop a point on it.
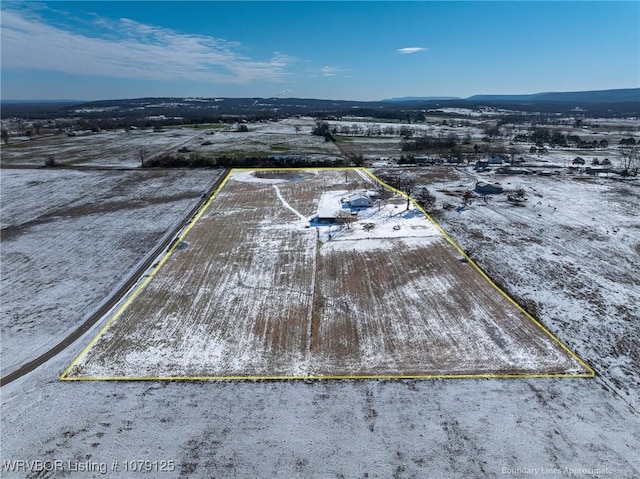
(129, 49)
(409, 50)
(330, 71)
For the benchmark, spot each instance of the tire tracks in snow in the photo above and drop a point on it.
(287, 205)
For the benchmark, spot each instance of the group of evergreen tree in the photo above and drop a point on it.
(323, 128)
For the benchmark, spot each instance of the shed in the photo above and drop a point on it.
(488, 188)
(481, 165)
(589, 170)
(506, 170)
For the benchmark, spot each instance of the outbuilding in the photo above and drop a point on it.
(483, 188)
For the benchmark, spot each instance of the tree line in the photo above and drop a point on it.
(543, 136)
(199, 161)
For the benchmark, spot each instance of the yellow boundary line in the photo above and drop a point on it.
(65, 375)
(144, 283)
(329, 377)
(590, 371)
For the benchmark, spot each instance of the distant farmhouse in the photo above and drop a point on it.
(492, 160)
(335, 206)
(481, 165)
(507, 170)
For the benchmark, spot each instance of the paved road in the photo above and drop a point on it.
(115, 297)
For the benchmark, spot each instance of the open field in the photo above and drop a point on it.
(264, 297)
(122, 149)
(290, 136)
(370, 147)
(69, 237)
(119, 149)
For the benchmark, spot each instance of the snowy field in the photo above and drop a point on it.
(371, 147)
(481, 428)
(264, 297)
(120, 149)
(285, 137)
(69, 237)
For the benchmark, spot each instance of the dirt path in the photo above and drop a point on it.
(115, 297)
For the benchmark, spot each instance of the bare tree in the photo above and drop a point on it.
(142, 154)
(467, 198)
(425, 199)
(630, 160)
(407, 185)
(345, 217)
(401, 181)
(517, 196)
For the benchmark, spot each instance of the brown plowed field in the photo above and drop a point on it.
(251, 291)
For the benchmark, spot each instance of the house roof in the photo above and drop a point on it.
(481, 185)
(357, 196)
(329, 205)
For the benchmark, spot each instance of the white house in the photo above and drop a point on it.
(358, 200)
(333, 205)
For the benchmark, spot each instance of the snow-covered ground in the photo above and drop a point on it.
(285, 137)
(69, 237)
(376, 429)
(124, 149)
(119, 149)
(480, 428)
(570, 252)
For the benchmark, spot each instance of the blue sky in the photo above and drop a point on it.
(333, 50)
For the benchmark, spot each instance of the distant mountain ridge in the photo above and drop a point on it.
(621, 95)
(595, 96)
(421, 98)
